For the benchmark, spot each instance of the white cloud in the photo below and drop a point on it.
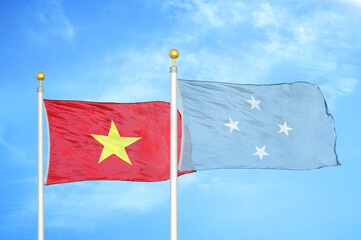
(219, 186)
(312, 44)
(337, 88)
(309, 42)
(348, 85)
(267, 16)
(84, 205)
(210, 13)
(52, 22)
(135, 75)
(13, 151)
(356, 3)
(305, 40)
(131, 75)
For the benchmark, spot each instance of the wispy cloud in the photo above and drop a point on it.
(314, 45)
(283, 45)
(52, 21)
(212, 188)
(12, 151)
(136, 75)
(267, 16)
(338, 88)
(234, 42)
(96, 201)
(209, 13)
(356, 3)
(84, 205)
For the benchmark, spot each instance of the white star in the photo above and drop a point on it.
(260, 152)
(254, 103)
(284, 128)
(232, 125)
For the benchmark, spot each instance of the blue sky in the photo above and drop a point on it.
(118, 51)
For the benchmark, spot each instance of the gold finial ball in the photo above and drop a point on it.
(173, 53)
(40, 76)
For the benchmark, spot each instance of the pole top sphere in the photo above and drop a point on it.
(40, 76)
(173, 53)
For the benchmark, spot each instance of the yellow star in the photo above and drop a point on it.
(114, 144)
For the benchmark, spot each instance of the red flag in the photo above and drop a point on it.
(109, 141)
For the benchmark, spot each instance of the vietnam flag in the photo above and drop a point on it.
(109, 141)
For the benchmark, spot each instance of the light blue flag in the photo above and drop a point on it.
(280, 126)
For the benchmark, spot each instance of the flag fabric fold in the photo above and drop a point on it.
(108, 141)
(280, 126)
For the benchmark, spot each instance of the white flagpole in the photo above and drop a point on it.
(173, 148)
(40, 76)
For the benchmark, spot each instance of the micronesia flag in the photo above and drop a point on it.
(280, 126)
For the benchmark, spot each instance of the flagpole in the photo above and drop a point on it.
(40, 76)
(173, 148)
